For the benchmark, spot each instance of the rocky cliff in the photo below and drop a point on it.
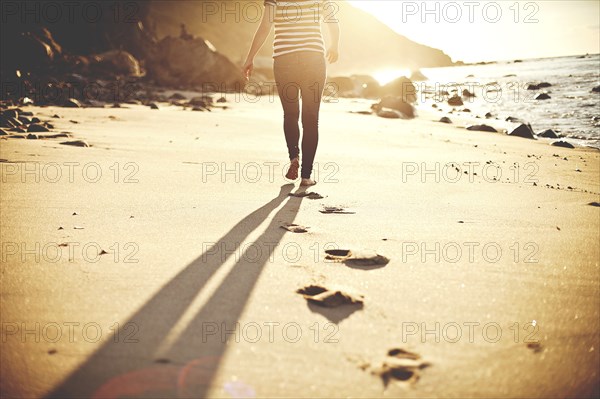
(366, 43)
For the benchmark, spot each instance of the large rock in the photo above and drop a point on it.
(192, 63)
(389, 114)
(28, 48)
(11, 113)
(45, 36)
(116, 63)
(30, 52)
(563, 144)
(9, 122)
(524, 131)
(543, 96)
(549, 134)
(401, 87)
(35, 128)
(72, 103)
(482, 128)
(455, 101)
(201, 101)
(396, 104)
(596, 89)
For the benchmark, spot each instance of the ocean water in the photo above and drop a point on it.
(501, 88)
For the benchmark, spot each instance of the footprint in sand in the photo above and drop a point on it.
(358, 259)
(294, 228)
(400, 365)
(335, 304)
(310, 195)
(330, 298)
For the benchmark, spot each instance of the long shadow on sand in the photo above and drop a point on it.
(128, 369)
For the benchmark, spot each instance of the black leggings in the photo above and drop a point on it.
(301, 72)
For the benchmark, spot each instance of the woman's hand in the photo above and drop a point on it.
(266, 24)
(247, 69)
(332, 55)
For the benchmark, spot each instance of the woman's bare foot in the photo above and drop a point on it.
(292, 173)
(307, 183)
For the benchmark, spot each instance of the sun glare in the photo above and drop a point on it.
(387, 75)
(440, 24)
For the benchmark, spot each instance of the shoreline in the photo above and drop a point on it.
(426, 107)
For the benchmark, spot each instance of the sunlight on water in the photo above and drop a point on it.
(571, 110)
(387, 75)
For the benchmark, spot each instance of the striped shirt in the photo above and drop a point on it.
(297, 26)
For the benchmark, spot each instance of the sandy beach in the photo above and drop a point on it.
(491, 289)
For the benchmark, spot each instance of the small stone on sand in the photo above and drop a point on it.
(76, 143)
(334, 209)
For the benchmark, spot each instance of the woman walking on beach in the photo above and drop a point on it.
(299, 66)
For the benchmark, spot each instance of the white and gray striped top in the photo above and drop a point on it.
(297, 26)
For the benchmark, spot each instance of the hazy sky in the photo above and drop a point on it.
(494, 30)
